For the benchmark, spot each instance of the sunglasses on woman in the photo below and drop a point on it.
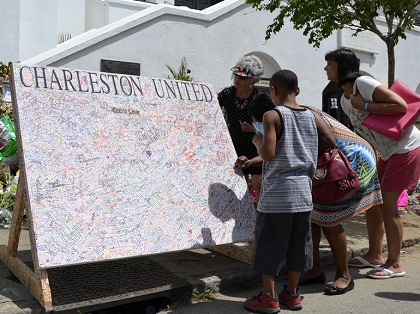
(243, 78)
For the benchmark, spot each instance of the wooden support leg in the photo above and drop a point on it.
(45, 290)
(36, 282)
(17, 218)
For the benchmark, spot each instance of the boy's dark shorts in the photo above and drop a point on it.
(279, 237)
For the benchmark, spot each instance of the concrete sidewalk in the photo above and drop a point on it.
(199, 269)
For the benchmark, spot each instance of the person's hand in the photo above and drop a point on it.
(243, 162)
(247, 127)
(357, 101)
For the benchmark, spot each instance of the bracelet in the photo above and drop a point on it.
(366, 109)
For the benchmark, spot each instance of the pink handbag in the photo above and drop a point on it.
(396, 126)
(403, 198)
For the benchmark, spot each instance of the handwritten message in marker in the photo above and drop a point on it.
(119, 166)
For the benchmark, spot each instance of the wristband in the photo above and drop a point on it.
(366, 109)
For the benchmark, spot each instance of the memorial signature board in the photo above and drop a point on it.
(119, 166)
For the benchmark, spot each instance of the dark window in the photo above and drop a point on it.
(196, 4)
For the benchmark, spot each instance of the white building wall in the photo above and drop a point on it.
(70, 17)
(31, 27)
(38, 27)
(9, 32)
(212, 41)
(96, 14)
(119, 9)
(407, 60)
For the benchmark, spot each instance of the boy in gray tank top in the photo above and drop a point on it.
(289, 149)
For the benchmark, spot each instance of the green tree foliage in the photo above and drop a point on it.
(319, 18)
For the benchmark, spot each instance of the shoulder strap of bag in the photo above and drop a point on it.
(355, 89)
(323, 145)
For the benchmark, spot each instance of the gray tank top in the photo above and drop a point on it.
(287, 179)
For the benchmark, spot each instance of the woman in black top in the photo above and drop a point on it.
(235, 101)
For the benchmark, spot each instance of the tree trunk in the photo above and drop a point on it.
(391, 62)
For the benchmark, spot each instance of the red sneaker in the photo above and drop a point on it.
(292, 301)
(263, 303)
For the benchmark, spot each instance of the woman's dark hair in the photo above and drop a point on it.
(348, 64)
(259, 105)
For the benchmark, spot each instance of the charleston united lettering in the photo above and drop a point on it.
(109, 83)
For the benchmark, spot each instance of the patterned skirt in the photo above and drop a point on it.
(362, 158)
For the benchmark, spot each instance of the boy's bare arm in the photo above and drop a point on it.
(326, 137)
(267, 147)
